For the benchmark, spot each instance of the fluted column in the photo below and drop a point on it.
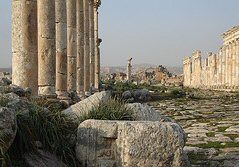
(61, 51)
(24, 44)
(71, 45)
(46, 47)
(92, 44)
(80, 47)
(237, 62)
(227, 65)
(224, 66)
(233, 63)
(220, 68)
(97, 44)
(230, 64)
(86, 48)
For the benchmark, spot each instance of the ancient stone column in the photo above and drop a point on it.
(220, 68)
(61, 51)
(86, 48)
(46, 47)
(129, 69)
(233, 63)
(226, 66)
(230, 65)
(237, 63)
(92, 44)
(97, 45)
(80, 48)
(71, 45)
(24, 44)
(223, 66)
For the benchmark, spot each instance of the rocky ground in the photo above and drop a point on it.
(211, 122)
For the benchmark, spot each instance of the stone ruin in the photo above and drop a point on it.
(55, 46)
(219, 71)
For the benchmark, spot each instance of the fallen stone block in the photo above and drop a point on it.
(130, 144)
(86, 105)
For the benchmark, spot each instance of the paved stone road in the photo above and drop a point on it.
(211, 123)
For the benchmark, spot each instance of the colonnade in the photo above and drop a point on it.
(55, 46)
(217, 71)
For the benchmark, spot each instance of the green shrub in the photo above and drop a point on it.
(113, 109)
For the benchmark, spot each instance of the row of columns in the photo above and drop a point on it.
(55, 46)
(218, 71)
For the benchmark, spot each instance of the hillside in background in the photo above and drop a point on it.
(137, 67)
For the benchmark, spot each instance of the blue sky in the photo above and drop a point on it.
(155, 31)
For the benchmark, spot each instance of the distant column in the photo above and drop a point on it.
(234, 63)
(46, 47)
(92, 44)
(80, 48)
(227, 65)
(86, 48)
(61, 51)
(220, 68)
(129, 69)
(24, 44)
(237, 62)
(230, 64)
(71, 45)
(224, 66)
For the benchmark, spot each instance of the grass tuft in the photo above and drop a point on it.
(113, 109)
(54, 130)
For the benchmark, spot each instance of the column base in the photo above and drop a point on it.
(47, 91)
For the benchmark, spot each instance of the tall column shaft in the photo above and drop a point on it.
(61, 51)
(97, 49)
(46, 47)
(80, 47)
(86, 47)
(71, 45)
(24, 44)
(237, 62)
(233, 63)
(230, 64)
(92, 44)
(223, 65)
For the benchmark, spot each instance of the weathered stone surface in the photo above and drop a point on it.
(46, 47)
(80, 47)
(71, 45)
(24, 44)
(143, 112)
(8, 127)
(86, 47)
(84, 106)
(43, 159)
(130, 144)
(61, 49)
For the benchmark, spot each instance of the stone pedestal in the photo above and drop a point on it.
(80, 48)
(86, 47)
(71, 45)
(61, 51)
(46, 47)
(24, 44)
